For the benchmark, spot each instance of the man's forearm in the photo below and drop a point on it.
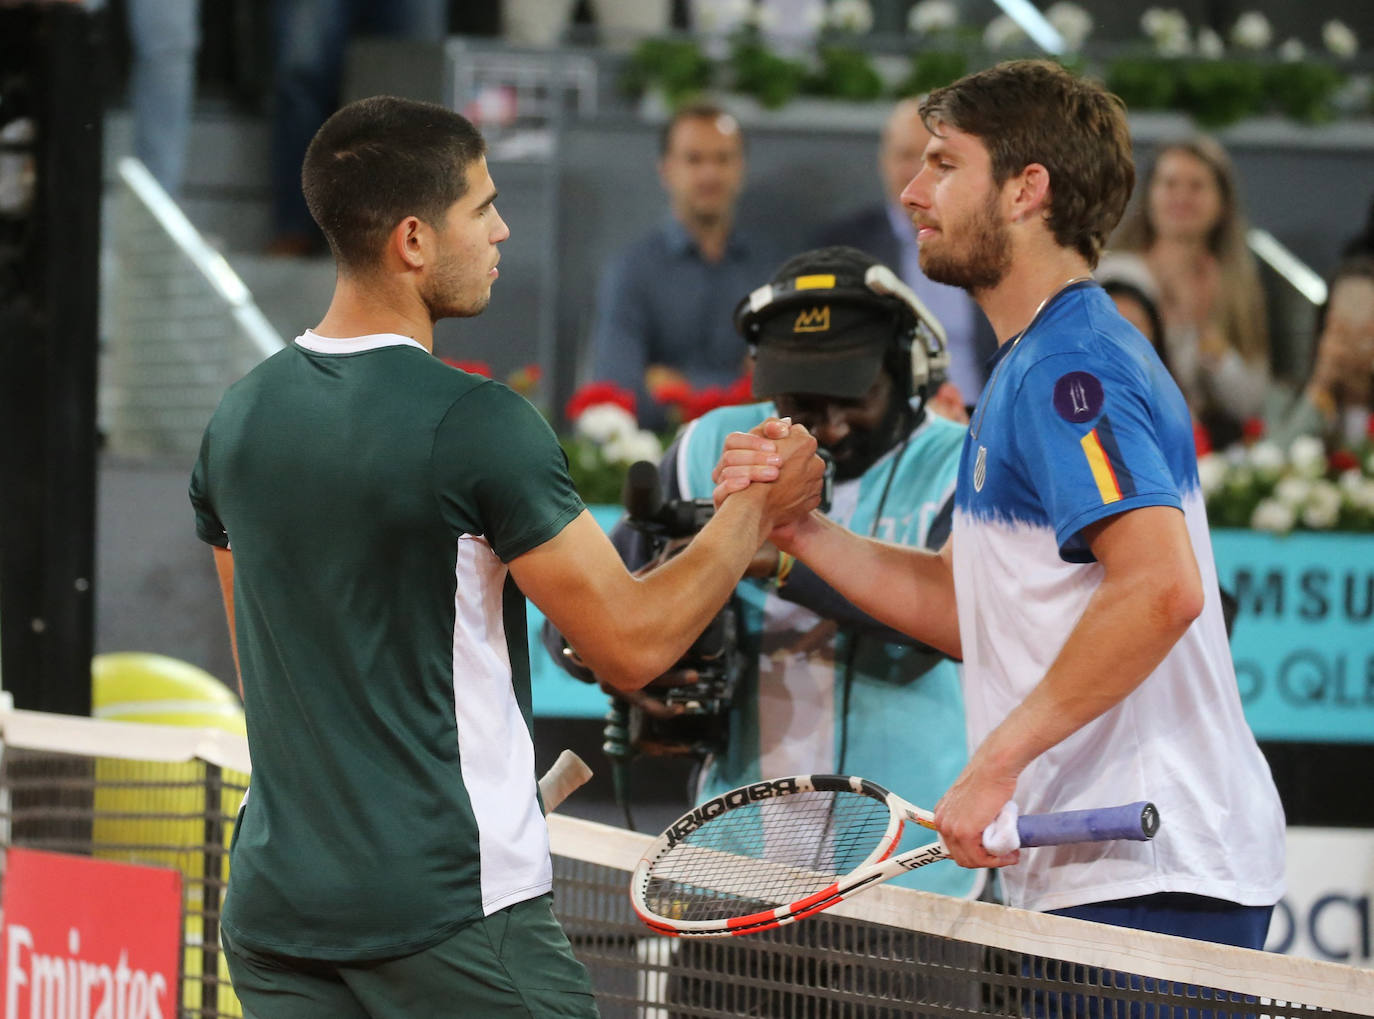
(908, 589)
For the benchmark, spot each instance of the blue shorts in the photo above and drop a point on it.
(1088, 993)
(1186, 916)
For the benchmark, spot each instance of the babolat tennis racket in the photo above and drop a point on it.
(773, 852)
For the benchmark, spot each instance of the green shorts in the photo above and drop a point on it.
(515, 963)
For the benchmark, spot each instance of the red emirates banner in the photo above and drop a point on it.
(89, 938)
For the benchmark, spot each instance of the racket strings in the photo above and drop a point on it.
(767, 854)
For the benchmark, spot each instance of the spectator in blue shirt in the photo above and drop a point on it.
(664, 304)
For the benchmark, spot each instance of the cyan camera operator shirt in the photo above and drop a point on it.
(813, 686)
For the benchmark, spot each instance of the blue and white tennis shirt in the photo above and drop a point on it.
(1080, 421)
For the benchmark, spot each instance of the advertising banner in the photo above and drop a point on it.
(89, 938)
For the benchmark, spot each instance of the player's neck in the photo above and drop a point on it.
(1033, 280)
(363, 308)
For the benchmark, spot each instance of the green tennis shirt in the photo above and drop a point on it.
(371, 496)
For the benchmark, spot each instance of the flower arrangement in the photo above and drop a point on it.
(1217, 77)
(1266, 488)
(606, 438)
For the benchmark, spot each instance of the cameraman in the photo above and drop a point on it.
(825, 688)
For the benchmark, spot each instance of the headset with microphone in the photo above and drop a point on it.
(919, 331)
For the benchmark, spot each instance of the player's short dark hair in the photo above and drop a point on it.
(1035, 111)
(694, 111)
(378, 160)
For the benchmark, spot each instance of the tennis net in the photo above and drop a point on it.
(167, 796)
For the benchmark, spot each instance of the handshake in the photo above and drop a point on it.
(778, 460)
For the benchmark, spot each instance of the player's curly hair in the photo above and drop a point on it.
(378, 160)
(1035, 111)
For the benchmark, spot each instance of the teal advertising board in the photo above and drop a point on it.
(1303, 642)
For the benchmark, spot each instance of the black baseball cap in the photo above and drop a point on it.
(817, 327)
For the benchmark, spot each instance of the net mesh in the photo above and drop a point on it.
(88, 788)
(155, 813)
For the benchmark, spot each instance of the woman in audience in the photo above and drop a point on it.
(1335, 404)
(1187, 230)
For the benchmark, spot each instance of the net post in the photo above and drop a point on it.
(212, 876)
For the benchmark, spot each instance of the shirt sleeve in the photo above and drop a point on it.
(499, 472)
(209, 528)
(1086, 434)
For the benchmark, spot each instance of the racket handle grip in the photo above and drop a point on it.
(1137, 822)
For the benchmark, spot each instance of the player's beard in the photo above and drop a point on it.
(986, 257)
(450, 291)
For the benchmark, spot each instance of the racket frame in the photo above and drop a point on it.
(878, 866)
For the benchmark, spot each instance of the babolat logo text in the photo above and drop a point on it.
(812, 320)
(684, 826)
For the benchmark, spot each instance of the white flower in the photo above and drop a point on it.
(1002, 33)
(1339, 39)
(1167, 28)
(1293, 492)
(1356, 489)
(1251, 31)
(932, 16)
(854, 16)
(1308, 456)
(1292, 50)
(1323, 507)
(1272, 515)
(1363, 496)
(721, 17)
(1265, 457)
(635, 446)
(766, 18)
(1209, 44)
(602, 422)
(1072, 22)
(1211, 472)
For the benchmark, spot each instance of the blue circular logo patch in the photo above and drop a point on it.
(1078, 397)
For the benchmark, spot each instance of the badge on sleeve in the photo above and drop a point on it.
(1078, 397)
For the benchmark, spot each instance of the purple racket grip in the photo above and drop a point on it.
(1135, 821)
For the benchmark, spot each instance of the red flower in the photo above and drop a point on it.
(674, 393)
(1342, 460)
(711, 397)
(1202, 442)
(1252, 430)
(598, 392)
(471, 367)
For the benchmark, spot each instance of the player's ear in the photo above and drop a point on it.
(1028, 193)
(409, 241)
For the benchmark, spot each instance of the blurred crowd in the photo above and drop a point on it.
(1179, 265)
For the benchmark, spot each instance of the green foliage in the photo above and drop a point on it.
(932, 69)
(846, 73)
(1143, 83)
(597, 479)
(677, 66)
(759, 72)
(1303, 90)
(1220, 92)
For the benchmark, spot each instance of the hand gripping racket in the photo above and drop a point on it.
(566, 774)
(774, 852)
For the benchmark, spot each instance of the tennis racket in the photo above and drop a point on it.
(774, 852)
(564, 775)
